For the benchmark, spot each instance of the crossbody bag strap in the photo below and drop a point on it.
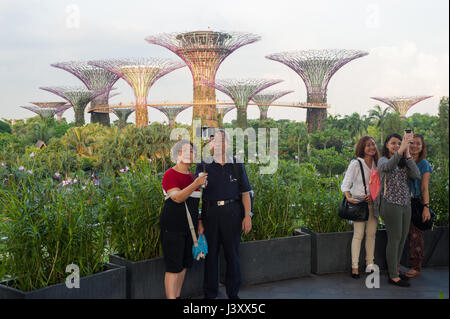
(363, 177)
(189, 218)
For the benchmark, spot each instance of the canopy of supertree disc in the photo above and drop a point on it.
(316, 67)
(48, 104)
(44, 112)
(401, 104)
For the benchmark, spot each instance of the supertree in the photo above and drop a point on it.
(61, 106)
(316, 67)
(241, 91)
(401, 104)
(45, 112)
(265, 99)
(122, 113)
(140, 74)
(221, 111)
(203, 52)
(79, 97)
(171, 111)
(95, 79)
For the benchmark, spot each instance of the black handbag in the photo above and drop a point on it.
(416, 215)
(356, 212)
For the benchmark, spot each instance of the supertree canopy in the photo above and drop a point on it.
(95, 79)
(171, 111)
(79, 97)
(241, 91)
(45, 112)
(203, 52)
(60, 106)
(316, 67)
(122, 113)
(265, 99)
(401, 104)
(140, 74)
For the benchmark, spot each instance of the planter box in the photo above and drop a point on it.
(109, 284)
(435, 248)
(145, 279)
(331, 252)
(271, 260)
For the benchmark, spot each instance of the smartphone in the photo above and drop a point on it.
(408, 130)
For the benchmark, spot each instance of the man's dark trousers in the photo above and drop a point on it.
(223, 225)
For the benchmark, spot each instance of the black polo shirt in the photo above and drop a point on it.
(222, 182)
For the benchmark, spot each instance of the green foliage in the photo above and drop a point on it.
(329, 161)
(439, 191)
(133, 204)
(443, 134)
(47, 228)
(5, 128)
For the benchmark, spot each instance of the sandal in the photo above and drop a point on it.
(412, 273)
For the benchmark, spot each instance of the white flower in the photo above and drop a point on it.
(83, 187)
(3, 164)
(21, 168)
(122, 170)
(256, 155)
(57, 175)
(30, 172)
(296, 157)
(126, 169)
(32, 155)
(75, 180)
(438, 169)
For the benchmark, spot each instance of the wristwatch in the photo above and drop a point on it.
(426, 205)
(249, 214)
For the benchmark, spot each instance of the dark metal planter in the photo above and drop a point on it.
(109, 284)
(274, 259)
(331, 252)
(435, 248)
(145, 279)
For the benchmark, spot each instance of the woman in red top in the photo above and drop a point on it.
(176, 237)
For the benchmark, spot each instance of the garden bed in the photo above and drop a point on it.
(108, 284)
(274, 259)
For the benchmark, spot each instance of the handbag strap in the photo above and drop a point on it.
(363, 177)
(189, 218)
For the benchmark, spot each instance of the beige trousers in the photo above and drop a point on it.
(370, 226)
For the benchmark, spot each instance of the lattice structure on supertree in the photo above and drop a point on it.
(265, 99)
(402, 104)
(44, 112)
(95, 79)
(63, 106)
(316, 67)
(79, 97)
(122, 113)
(241, 91)
(203, 52)
(140, 74)
(171, 111)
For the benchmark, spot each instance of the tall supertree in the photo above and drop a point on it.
(241, 91)
(79, 97)
(140, 74)
(265, 99)
(221, 111)
(401, 104)
(95, 79)
(203, 52)
(122, 113)
(316, 67)
(171, 111)
(60, 106)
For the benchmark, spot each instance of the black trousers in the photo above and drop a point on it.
(223, 225)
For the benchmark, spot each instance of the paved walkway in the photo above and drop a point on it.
(341, 286)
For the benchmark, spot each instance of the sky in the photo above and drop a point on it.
(407, 42)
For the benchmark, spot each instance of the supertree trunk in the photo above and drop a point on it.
(101, 118)
(79, 115)
(263, 114)
(206, 112)
(241, 119)
(141, 111)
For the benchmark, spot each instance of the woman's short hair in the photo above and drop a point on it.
(423, 152)
(385, 150)
(361, 145)
(177, 148)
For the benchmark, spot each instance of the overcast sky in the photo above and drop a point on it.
(407, 43)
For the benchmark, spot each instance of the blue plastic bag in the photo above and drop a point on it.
(201, 250)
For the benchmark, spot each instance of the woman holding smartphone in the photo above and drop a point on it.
(353, 188)
(395, 167)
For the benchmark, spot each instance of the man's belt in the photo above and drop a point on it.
(221, 202)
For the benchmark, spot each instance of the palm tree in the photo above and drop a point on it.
(380, 117)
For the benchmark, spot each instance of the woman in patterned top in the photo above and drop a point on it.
(395, 167)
